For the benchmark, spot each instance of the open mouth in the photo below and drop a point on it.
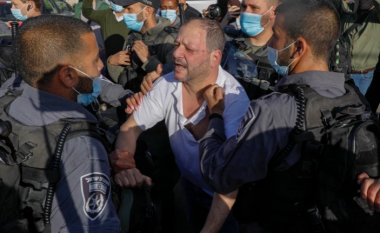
(179, 66)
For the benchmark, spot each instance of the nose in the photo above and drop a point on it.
(178, 53)
(100, 65)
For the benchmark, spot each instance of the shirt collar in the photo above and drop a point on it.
(177, 94)
(221, 77)
(118, 19)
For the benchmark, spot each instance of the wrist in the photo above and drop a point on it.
(110, 60)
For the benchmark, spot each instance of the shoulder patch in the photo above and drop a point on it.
(96, 189)
(248, 117)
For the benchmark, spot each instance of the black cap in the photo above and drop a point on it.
(153, 3)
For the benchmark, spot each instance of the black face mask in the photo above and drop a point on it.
(365, 5)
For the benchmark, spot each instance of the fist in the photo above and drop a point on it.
(122, 159)
(214, 97)
(131, 178)
(370, 190)
(121, 58)
(141, 50)
(149, 79)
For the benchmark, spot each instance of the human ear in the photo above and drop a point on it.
(68, 76)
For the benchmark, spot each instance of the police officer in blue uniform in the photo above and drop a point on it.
(60, 79)
(304, 33)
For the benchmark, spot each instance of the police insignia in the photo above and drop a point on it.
(248, 117)
(96, 188)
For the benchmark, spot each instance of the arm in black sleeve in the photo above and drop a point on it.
(227, 165)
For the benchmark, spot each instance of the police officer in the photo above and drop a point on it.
(147, 45)
(170, 10)
(304, 33)
(21, 10)
(59, 81)
(113, 28)
(256, 22)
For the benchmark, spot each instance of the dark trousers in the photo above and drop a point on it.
(165, 174)
(198, 204)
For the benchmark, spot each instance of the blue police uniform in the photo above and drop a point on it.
(228, 164)
(84, 166)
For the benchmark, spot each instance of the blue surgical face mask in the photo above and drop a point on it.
(131, 21)
(251, 23)
(18, 15)
(116, 8)
(86, 99)
(169, 14)
(272, 57)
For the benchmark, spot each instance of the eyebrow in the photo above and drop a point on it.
(253, 6)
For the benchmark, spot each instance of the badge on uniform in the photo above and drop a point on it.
(96, 188)
(248, 117)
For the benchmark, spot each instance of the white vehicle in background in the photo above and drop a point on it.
(200, 4)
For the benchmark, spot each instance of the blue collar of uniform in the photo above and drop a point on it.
(320, 81)
(47, 103)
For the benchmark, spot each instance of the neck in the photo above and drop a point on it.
(149, 24)
(262, 38)
(55, 89)
(197, 87)
(309, 65)
(33, 14)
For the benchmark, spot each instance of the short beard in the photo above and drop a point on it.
(284, 58)
(84, 85)
(140, 17)
(200, 71)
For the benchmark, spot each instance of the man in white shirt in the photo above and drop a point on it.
(178, 98)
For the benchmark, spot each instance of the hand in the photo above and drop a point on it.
(214, 97)
(204, 13)
(121, 58)
(370, 190)
(131, 178)
(232, 13)
(149, 79)
(122, 159)
(141, 50)
(134, 102)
